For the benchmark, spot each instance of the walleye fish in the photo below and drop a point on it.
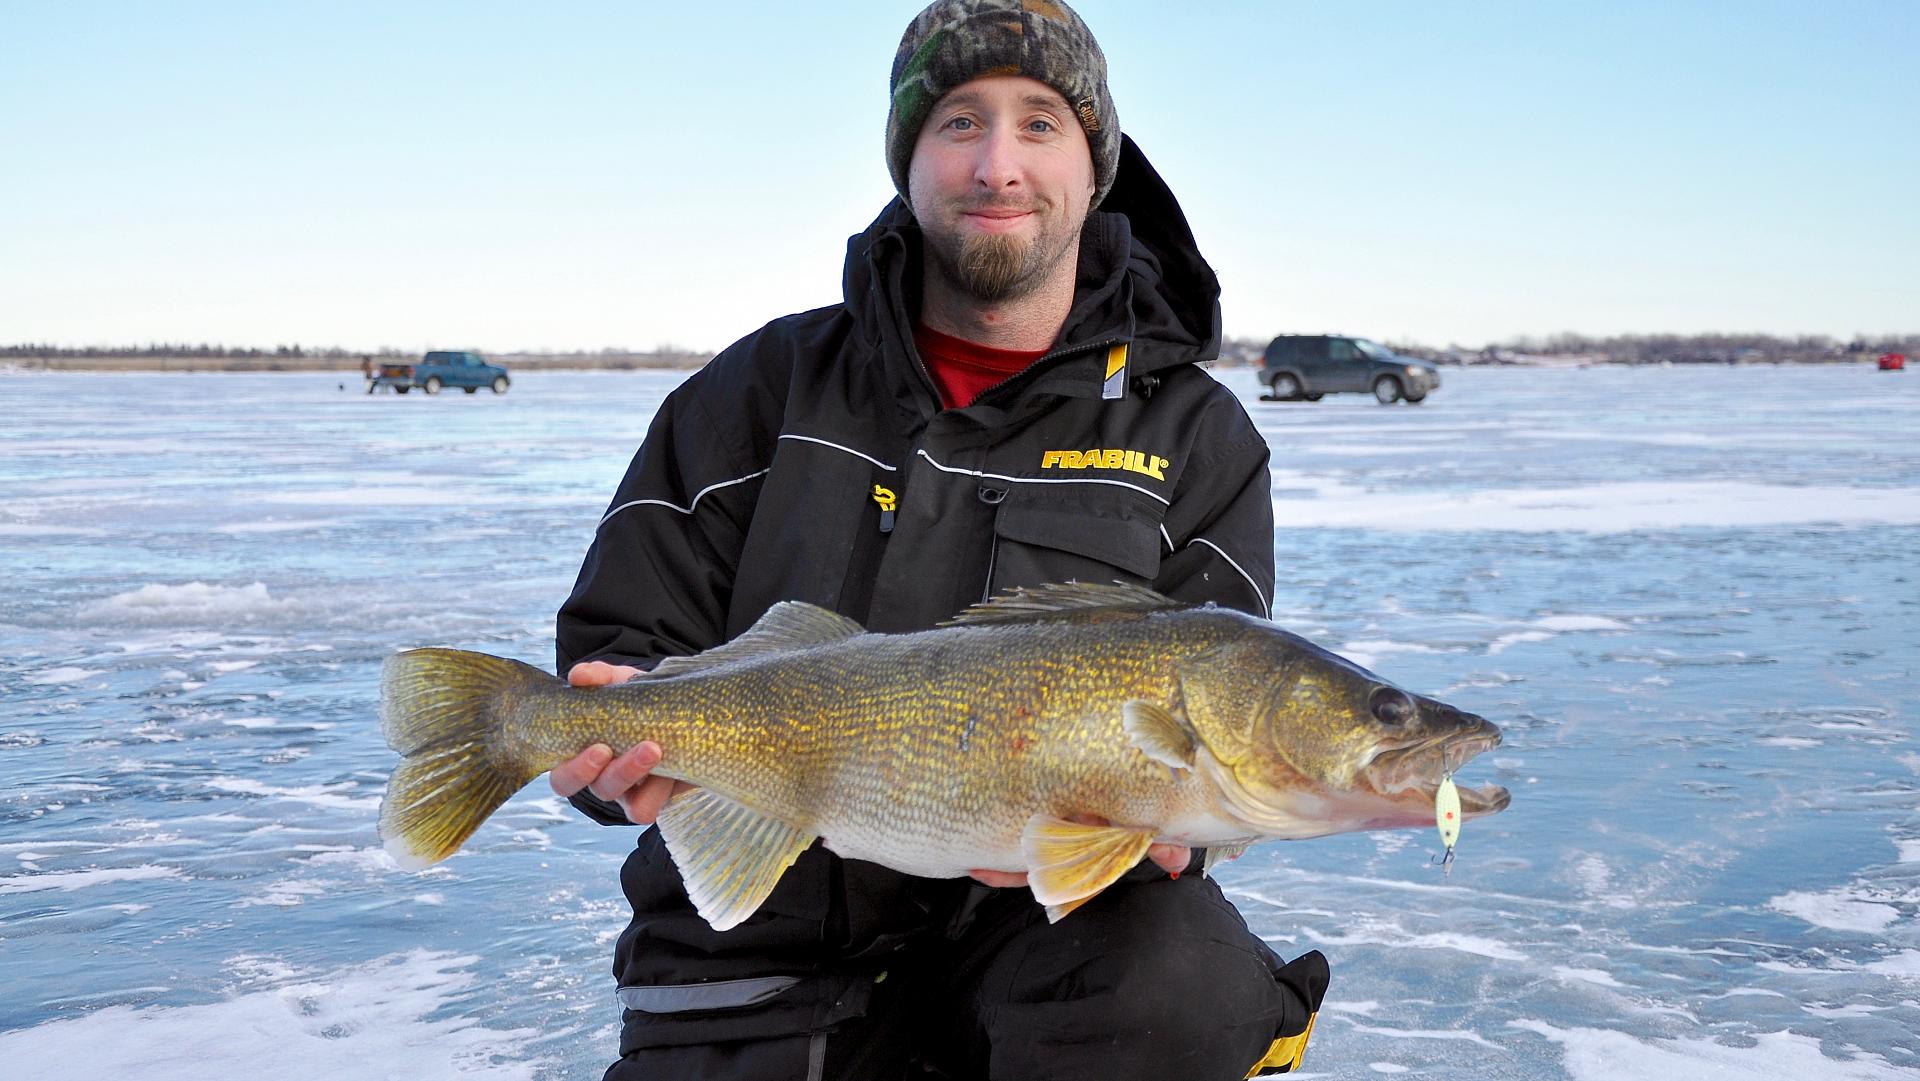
(974, 745)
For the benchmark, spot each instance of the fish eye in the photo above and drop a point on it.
(1391, 706)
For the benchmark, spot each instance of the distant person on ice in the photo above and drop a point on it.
(1006, 396)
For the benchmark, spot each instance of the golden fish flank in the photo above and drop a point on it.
(972, 745)
(1133, 461)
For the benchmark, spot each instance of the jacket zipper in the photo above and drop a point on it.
(1033, 370)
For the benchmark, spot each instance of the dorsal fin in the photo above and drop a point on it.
(787, 626)
(1021, 603)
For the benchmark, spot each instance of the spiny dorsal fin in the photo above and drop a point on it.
(730, 856)
(787, 626)
(1158, 733)
(1021, 603)
(1068, 862)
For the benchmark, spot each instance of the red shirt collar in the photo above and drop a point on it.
(962, 369)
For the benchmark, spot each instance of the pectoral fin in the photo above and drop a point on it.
(1067, 863)
(1055, 913)
(1159, 734)
(730, 856)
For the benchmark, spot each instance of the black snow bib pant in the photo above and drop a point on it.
(812, 461)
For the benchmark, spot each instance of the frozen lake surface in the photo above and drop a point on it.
(1688, 595)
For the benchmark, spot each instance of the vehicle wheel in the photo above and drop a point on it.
(499, 384)
(402, 390)
(1416, 399)
(469, 390)
(1315, 397)
(432, 385)
(1286, 386)
(1386, 390)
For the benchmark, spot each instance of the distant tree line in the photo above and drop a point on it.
(1635, 349)
(1618, 349)
(183, 356)
(182, 349)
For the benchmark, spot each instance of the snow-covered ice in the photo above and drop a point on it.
(1688, 595)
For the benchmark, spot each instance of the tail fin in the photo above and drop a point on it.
(439, 709)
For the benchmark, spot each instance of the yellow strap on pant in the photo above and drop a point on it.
(1285, 1054)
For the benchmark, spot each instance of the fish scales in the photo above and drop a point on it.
(871, 729)
(1056, 731)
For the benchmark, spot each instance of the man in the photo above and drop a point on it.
(1006, 397)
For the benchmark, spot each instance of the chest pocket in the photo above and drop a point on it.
(1043, 536)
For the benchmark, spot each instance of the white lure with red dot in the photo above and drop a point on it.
(1446, 815)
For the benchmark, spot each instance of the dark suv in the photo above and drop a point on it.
(1311, 365)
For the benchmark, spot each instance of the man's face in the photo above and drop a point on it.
(1001, 180)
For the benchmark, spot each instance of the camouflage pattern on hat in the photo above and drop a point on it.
(954, 41)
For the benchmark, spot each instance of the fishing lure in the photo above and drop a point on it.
(1446, 816)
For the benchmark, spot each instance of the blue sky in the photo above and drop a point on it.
(577, 176)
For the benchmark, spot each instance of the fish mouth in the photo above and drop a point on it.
(1411, 773)
(1397, 787)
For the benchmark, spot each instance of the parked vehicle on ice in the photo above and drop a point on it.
(1310, 366)
(442, 369)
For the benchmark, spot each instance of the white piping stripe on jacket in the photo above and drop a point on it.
(1223, 555)
(688, 509)
(1265, 607)
(1268, 608)
(1039, 480)
(849, 450)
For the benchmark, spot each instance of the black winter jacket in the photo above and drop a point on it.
(1111, 458)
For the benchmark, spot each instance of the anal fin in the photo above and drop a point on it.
(1067, 863)
(730, 855)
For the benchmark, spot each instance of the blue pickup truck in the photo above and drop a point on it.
(442, 369)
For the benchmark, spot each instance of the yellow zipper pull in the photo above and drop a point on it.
(888, 502)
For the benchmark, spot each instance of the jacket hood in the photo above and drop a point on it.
(1141, 279)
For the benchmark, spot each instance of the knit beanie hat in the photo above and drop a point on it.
(954, 41)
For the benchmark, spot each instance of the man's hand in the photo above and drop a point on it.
(626, 780)
(1172, 859)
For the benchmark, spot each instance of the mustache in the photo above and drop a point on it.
(1021, 204)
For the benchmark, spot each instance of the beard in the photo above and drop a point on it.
(994, 268)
